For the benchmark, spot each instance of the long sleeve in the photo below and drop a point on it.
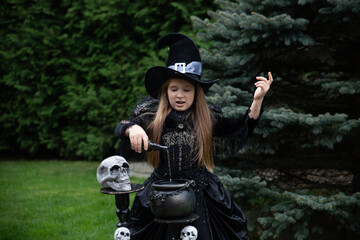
(125, 124)
(231, 135)
(141, 115)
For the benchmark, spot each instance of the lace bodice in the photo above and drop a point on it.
(180, 139)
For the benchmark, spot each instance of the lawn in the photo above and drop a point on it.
(55, 200)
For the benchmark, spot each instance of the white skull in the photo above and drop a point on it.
(189, 233)
(114, 172)
(122, 233)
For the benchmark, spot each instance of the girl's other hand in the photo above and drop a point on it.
(262, 86)
(138, 137)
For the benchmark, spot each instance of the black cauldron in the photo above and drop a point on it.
(175, 199)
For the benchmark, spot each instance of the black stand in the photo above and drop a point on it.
(177, 224)
(122, 203)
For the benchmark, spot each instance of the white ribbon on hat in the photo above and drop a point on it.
(193, 67)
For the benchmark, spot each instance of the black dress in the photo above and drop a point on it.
(219, 216)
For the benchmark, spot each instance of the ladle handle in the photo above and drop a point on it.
(155, 146)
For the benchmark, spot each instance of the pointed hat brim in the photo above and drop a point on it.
(156, 76)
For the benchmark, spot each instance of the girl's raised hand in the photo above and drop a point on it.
(262, 86)
(138, 137)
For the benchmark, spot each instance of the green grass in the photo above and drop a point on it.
(55, 200)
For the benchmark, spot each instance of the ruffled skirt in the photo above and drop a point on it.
(220, 218)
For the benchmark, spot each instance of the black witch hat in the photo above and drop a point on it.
(184, 62)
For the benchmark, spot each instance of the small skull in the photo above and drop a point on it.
(189, 233)
(122, 233)
(113, 172)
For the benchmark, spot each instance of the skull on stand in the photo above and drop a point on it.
(122, 233)
(113, 172)
(189, 233)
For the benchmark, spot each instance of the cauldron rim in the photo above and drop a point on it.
(165, 184)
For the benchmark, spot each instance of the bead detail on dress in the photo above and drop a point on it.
(179, 138)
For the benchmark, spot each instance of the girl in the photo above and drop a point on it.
(177, 115)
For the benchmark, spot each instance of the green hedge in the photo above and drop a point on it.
(71, 70)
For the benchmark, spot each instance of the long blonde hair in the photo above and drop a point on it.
(202, 119)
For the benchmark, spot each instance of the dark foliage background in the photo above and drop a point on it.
(313, 109)
(71, 70)
(300, 171)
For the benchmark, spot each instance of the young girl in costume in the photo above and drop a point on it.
(177, 115)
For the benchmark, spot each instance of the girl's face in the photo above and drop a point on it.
(180, 94)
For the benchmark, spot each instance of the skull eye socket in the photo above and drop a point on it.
(125, 234)
(102, 170)
(114, 169)
(125, 168)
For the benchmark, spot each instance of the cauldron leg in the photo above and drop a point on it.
(122, 204)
